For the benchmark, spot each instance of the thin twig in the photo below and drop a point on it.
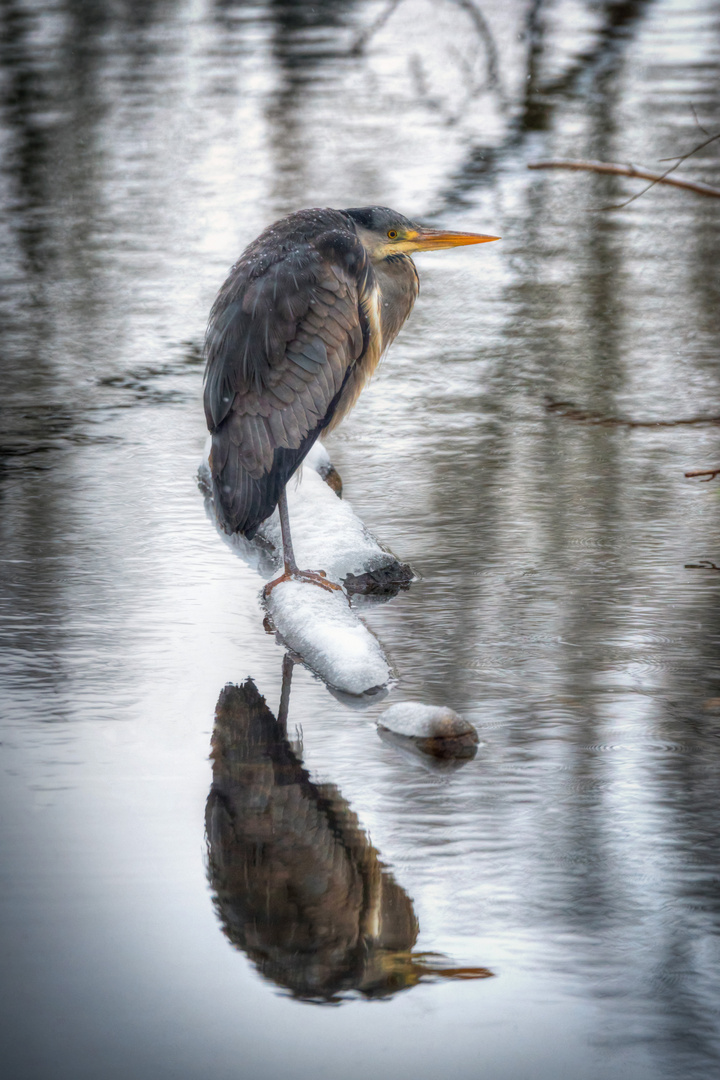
(709, 474)
(704, 131)
(629, 170)
(700, 146)
(697, 121)
(661, 179)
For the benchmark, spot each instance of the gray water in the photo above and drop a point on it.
(567, 600)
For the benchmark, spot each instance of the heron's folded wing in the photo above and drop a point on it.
(280, 347)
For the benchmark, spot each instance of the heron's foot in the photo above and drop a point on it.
(313, 577)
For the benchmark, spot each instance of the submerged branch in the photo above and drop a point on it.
(627, 170)
(572, 412)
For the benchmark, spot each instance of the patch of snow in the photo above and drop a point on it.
(320, 627)
(317, 458)
(425, 721)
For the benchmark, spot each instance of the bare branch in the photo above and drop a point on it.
(630, 170)
(709, 474)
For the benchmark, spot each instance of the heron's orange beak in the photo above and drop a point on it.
(432, 239)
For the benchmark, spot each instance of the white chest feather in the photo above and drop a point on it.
(387, 306)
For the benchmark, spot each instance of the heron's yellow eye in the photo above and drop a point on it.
(392, 234)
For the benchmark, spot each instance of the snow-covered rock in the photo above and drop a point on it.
(324, 632)
(433, 729)
(425, 721)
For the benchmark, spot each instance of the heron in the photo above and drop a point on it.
(296, 331)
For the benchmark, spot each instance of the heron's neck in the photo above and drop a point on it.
(398, 281)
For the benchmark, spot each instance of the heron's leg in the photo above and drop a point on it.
(288, 553)
(292, 573)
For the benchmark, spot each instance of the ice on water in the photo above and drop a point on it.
(322, 629)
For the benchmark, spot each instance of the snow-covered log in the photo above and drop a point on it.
(327, 534)
(321, 629)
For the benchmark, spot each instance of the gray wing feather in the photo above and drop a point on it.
(280, 347)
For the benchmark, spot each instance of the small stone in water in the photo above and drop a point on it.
(434, 729)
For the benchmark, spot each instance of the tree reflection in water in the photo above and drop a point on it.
(298, 886)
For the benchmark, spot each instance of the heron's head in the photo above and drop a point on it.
(384, 233)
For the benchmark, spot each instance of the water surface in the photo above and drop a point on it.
(567, 602)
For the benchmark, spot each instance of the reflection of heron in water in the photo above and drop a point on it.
(298, 886)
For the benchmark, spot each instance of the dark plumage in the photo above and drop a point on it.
(295, 332)
(284, 336)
